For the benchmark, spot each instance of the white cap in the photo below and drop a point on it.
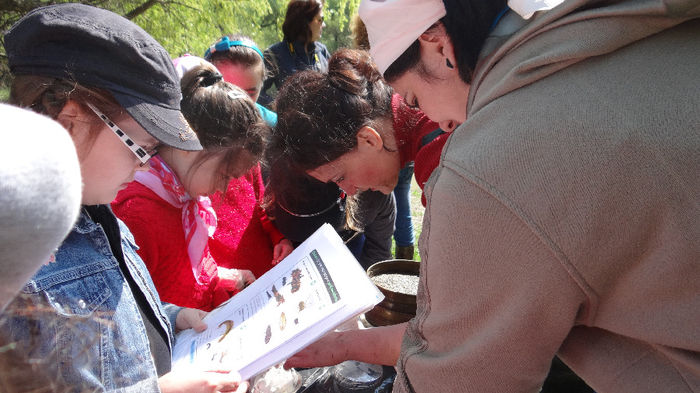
(526, 8)
(393, 25)
(40, 194)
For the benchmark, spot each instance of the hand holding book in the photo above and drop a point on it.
(316, 288)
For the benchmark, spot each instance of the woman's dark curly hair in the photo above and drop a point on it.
(319, 115)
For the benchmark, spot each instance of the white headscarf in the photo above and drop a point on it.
(393, 25)
(526, 8)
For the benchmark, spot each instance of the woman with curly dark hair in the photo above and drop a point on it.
(347, 131)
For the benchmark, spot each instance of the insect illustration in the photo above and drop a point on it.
(229, 326)
(268, 334)
(283, 321)
(296, 280)
(278, 296)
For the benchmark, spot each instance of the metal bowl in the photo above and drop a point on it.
(396, 307)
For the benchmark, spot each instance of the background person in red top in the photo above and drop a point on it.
(245, 237)
(167, 207)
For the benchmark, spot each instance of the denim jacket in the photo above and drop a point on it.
(91, 330)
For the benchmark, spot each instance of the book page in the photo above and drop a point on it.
(317, 287)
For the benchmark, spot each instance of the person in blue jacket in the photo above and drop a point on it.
(299, 50)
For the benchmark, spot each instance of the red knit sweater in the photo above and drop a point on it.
(244, 237)
(157, 229)
(410, 126)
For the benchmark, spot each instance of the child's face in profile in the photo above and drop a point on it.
(247, 78)
(107, 165)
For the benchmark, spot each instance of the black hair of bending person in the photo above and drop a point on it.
(319, 114)
(467, 23)
(223, 116)
(296, 21)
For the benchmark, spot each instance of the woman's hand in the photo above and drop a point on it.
(281, 250)
(329, 350)
(379, 345)
(202, 381)
(234, 280)
(190, 318)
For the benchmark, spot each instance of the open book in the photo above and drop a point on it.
(312, 291)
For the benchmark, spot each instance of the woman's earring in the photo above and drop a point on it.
(449, 65)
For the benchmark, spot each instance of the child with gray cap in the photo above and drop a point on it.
(90, 318)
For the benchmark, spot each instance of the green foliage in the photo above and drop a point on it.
(339, 14)
(191, 26)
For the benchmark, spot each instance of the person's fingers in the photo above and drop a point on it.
(243, 387)
(199, 326)
(247, 278)
(276, 252)
(230, 382)
(297, 362)
(300, 359)
(196, 321)
(289, 363)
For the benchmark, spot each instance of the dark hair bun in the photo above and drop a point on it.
(221, 114)
(201, 76)
(319, 112)
(355, 72)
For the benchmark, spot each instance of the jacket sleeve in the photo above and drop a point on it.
(494, 301)
(171, 312)
(270, 228)
(378, 215)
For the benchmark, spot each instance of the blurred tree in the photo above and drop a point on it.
(190, 26)
(339, 14)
